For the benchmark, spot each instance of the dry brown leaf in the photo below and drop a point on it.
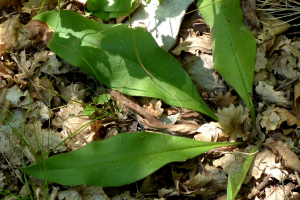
(17, 97)
(202, 73)
(226, 100)
(271, 26)
(4, 105)
(45, 87)
(73, 91)
(191, 45)
(48, 139)
(209, 133)
(71, 119)
(270, 95)
(290, 159)
(286, 65)
(290, 49)
(33, 6)
(249, 14)
(153, 106)
(9, 34)
(260, 76)
(280, 40)
(296, 108)
(231, 119)
(41, 29)
(261, 60)
(197, 181)
(272, 118)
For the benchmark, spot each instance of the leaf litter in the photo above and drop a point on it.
(277, 62)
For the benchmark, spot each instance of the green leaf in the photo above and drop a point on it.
(236, 179)
(106, 52)
(89, 110)
(105, 9)
(120, 160)
(234, 47)
(101, 99)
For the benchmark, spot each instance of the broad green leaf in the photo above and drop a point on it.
(122, 159)
(106, 52)
(89, 110)
(101, 99)
(236, 179)
(234, 46)
(106, 9)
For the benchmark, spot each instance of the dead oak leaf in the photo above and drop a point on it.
(226, 100)
(47, 139)
(191, 45)
(9, 34)
(270, 95)
(272, 118)
(231, 119)
(73, 91)
(290, 159)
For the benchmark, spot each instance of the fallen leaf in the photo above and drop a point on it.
(47, 139)
(73, 91)
(260, 76)
(192, 44)
(290, 159)
(9, 34)
(271, 26)
(272, 118)
(226, 100)
(17, 97)
(270, 95)
(261, 60)
(209, 133)
(296, 108)
(152, 106)
(231, 119)
(198, 181)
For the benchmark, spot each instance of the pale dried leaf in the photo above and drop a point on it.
(290, 159)
(198, 181)
(261, 60)
(268, 94)
(209, 132)
(191, 45)
(9, 34)
(260, 76)
(231, 119)
(48, 139)
(73, 91)
(17, 97)
(226, 100)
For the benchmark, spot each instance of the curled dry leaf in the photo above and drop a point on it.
(272, 118)
(48, 139)
(271, 26)
(226, 100)
(261, 60)
(270, 95)
(73, 91)
(290, 159)
(153, 106)
(192, 44)
(296, 108)
(9, 34)
(71, 119)
(210, 133)
(17, 97)
(231, 119)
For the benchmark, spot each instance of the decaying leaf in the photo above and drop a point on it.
(209, 133)
(290, 159)
(296, 108)
(191, 45)
(226, 100)
(270, 95)
(17, 97)
(83, 192)
(231, 121)
(9, 34)
(153, 106)
(72, 120)
(272, 118)
(271, 26)
(73, 91)
(260, 76)
(48, 139)
(261, 60)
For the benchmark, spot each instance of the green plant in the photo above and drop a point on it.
(99, 50)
